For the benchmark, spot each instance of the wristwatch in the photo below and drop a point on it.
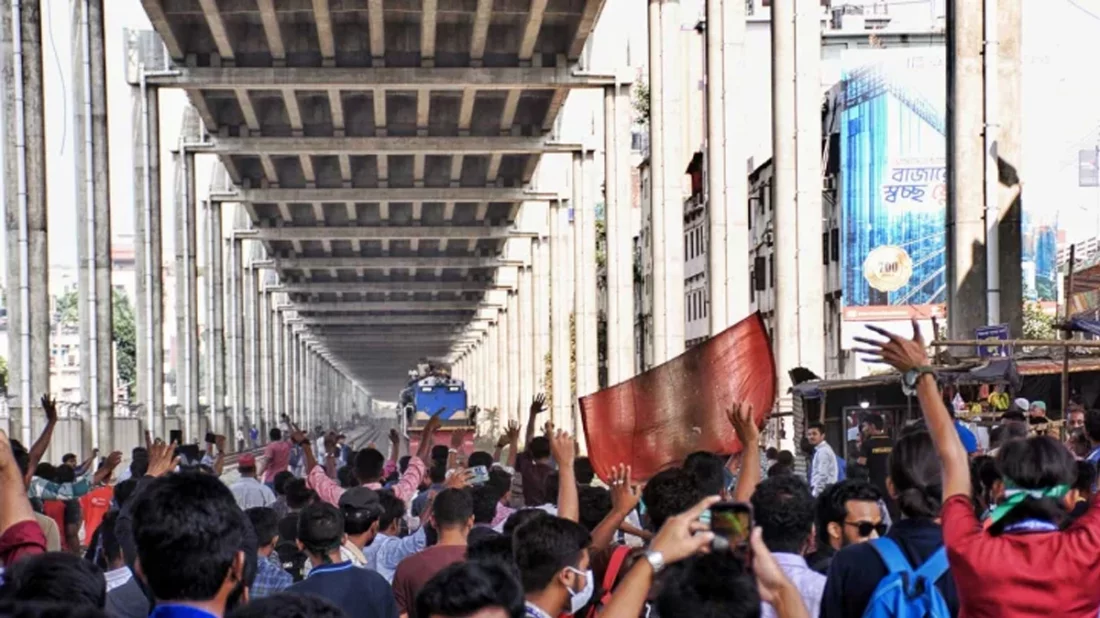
(910, 379)
(656, 560)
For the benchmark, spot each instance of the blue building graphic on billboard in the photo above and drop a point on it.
(893, 188)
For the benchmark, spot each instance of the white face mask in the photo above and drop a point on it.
(577, 600)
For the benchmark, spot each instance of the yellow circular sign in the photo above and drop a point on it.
(888, 268)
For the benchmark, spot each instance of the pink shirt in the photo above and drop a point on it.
(405, 489)
(276, 459)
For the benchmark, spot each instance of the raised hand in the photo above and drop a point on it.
(684, 535)
(744, 423)
(299, 437)
(395, 436)
(459, 480)
(219, 443)
(563, 449)
(162, 459)
(113, 460)
(898, 352)
(538, 404)
(49, 406)
(458, 438)
(434, 423)
(624, 494)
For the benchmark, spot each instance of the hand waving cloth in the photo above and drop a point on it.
(656, 419)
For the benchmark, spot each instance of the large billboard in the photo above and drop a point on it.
(893, 190)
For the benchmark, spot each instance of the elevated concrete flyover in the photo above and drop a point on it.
(382, 150)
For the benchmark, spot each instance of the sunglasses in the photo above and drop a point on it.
(865, 528)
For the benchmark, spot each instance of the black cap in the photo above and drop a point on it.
(360, 499)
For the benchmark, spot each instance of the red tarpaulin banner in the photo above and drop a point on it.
(656, 419)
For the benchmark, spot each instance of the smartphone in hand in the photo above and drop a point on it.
(480, 475)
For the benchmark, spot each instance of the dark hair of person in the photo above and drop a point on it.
(298, 494)
(832, 504)
(501, 480)
(321, 529)
(453, 507)
(485, 500)
(708, 471)
(124, 491)
(1013, 415)
(582, 469)
(393, 509)
(595, 505)
(55, 576)
(403, 463)
(46, 471)
(772, 453)
(874, 419)
(108, 540)
(275, 434)
(480, 458)
(288, 605)
(266, 524)
(713, 586)
(188, 530)
(917, 476)
(983, 474)
(1086, 477)
(466, 588)
(48, 609)
(1092, 424)
(820, 427)
(545, 546)
(490, 546)
(669, 493)
(520, 517)
(438, 473)
(785, 457)
(345, 475)
(1009, 431)
(440, 454)
(784, 508)
(22, 457)
(539, 448)
(369, 464)
(550, 488)
(67, 457)
(1040, 462)
(779, 469)
(280, 482)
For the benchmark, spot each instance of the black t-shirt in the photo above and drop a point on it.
(876, 451)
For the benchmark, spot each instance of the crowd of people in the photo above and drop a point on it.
(911, 525)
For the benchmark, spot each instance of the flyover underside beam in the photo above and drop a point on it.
(388, 305)
(427, 145)
(381, 232)
(384, 262)
(382, 320)
(381, 78)
(367, 287)
(415, 195)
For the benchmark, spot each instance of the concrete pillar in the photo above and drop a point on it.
(561, 307)
(290, 368)
(541, 286)
(717, 278)
(620, 249)
(187, 319)
(528, 365)
(587, 313)
(513, 361)
(255, 333)
(25, 202)
(236, 416)
(966, 275)
(1009, 151)
(278, 368)
(267, 356)
(93, 219)
(492, 367)
(735, 158)
(216, 321)
(504, 393)
(796, 144)
(667, 165)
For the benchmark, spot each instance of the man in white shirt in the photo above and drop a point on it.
(250, 492)
(824, 470)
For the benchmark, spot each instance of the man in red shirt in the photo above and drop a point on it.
(276, 457)
(453, 517)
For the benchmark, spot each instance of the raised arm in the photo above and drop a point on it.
(625, 496)
(909, 357)
(744, 423)
(538, 406)
(38, 449)
(564, 450)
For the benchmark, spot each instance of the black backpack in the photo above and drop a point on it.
(292, 559)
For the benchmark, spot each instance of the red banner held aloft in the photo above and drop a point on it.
(656, 419)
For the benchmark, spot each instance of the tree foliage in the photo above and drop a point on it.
(3, 375)
(640, 102)
(1037, 324)
(68, 309)
(125, 338)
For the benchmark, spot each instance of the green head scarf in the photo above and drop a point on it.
(1014, 496)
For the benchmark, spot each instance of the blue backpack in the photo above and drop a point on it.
(905, 593)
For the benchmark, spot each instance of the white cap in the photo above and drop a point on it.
(1022, 404)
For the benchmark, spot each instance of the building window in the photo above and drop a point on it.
(825, 248)
(835, 245)
(771, 270)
